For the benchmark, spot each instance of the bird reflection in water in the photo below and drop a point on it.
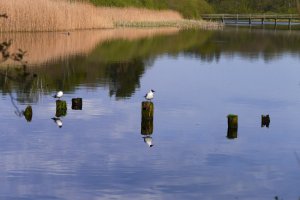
(148, 140)
(58, 121)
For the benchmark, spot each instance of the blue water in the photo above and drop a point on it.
(99, 153)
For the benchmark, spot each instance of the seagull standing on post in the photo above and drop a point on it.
(150, 95)
(59, 94)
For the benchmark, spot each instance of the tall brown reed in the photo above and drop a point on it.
(59, 15)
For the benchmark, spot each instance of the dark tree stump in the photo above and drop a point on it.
(77, 104)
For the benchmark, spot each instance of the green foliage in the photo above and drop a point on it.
(255, 6)
(188, 8)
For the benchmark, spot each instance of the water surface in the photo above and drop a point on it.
(199, 77)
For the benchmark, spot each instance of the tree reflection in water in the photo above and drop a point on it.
(119, 64)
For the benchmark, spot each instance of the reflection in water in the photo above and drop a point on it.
(147, 121)
(28, 113)
(49, 47)
(148, 140)
(232, 133)
(58, 121)
(265, 121)
(44, 164)
(117, 59)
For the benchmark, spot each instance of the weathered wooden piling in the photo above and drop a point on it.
(147, 126)
(77, 104)
(147, 118)
(61, 108)
(265, 121)
(232, 133)
(147, 110)
(28, 113)
(232, 126)
(232, 121)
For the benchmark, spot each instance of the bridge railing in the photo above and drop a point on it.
(265, 16)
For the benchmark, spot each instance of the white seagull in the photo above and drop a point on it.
(57, 121)
(150, 95)
(59, 94)
(148, 140)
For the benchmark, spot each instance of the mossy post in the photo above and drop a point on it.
(61, 108)
(147, 118)
(28, 113)
(77, 104)
(265, 121)
(232, 133)
(232, 121)
(232, 130)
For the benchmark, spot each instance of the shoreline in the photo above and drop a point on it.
(54, 16)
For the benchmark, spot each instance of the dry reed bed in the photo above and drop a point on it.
(45, 47)
(58, 15)
(140, 15)
(47, 15)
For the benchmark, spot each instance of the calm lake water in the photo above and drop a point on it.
(199, 77)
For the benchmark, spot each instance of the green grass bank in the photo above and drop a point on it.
(188, 8)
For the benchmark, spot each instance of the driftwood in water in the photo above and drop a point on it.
(77, 104)
(147, 118)
(61, 108)
(28, 113)
(265, 121)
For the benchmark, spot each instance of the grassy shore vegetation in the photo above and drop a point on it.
(188, 8)
(59, 15)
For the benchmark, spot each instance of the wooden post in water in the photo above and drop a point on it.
(77, 104)
(232, 133)
(232, 121)
(265, 121)
(147, 118)
(290, 23)
(232, 130)
(61, 108)
(28, 113)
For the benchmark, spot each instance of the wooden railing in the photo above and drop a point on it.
(253, 16)
(289, 18)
